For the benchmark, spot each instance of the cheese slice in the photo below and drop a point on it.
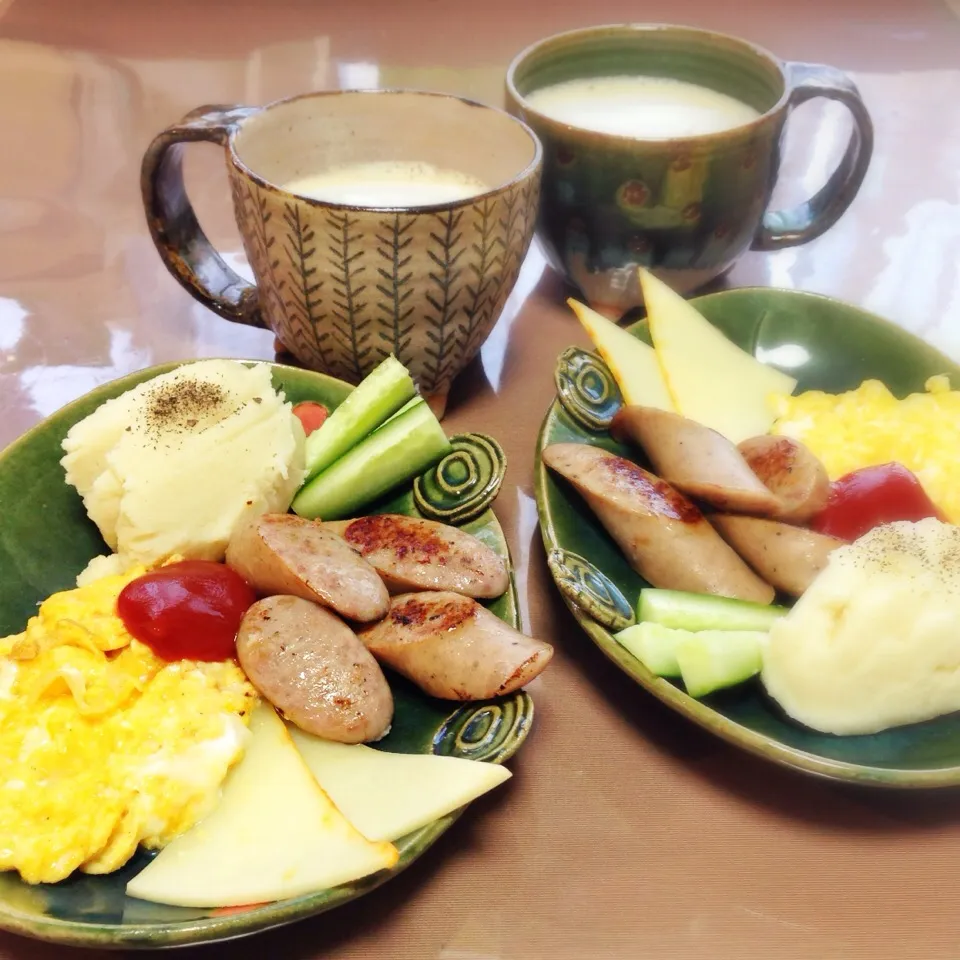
(388, 795)
(632, 362)
(710, 379)
(275, 834)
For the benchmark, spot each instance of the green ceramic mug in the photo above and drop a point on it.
(685, 207)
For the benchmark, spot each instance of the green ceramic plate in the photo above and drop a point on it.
(46, 539)
(826, 345)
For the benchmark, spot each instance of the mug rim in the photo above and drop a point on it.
(648, 28)
(526, 173)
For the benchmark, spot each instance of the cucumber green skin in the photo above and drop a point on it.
(381, 394)
(714, 659)
(654, 646)
(703, 611)
(398, 451)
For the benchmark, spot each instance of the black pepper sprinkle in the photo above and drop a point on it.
(181, 403)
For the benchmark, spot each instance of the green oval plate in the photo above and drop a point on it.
(46, 540)
(826, 345)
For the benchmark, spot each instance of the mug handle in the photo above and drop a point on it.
(808, 220)
(180, 240)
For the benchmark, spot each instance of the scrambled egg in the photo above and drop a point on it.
(870, 426)
(103, 745)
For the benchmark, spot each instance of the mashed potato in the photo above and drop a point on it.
(875, 641)
(171, 466)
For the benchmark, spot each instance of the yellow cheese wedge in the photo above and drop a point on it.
(387, 795)
(631, 361)
(274, 834)
(710, 379)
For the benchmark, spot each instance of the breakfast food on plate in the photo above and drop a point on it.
(104, 745)
(282, 553)
(124, 710)
(453, 648)
(274, 834)
(411, 553)
(696, 460)
(836, 500)
(869, 426)
(791, 472)
(873, 642)
(388, 795)
(787, 557)
(402, 447)
(663, 535)
(709, 378)
(310, 665)
(633, 363)
(149, 464)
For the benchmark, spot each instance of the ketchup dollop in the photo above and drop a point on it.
(190, 610)
(869, 497)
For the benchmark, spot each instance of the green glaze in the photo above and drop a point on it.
(586, 388)
(464, 483)
(829, 346)
(686, 207)
(46, 539)
(585, 585)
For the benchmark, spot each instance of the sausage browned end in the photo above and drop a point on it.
(285, 554)
(696, 460)
(793, 474)
(310, 665)
(453, 648)
(788, 557)
(664, 537)
(411, 553)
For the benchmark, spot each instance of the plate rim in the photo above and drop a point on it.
(697, 711)
(271, 916)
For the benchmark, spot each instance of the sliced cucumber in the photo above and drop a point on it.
(654, 646)
(713, 659)
(399, 450)
(379, 395)
(703, 611)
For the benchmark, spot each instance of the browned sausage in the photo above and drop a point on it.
(411, 553)
(788, 557)
(792, 473)
(453, 648)
(310, 665)
(281, 553)
(664, 537)
(695, 459)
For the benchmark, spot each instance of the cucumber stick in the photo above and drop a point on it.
(703, 611)
(381, 394)
(654, 646)
(402, 448)
(713, 659)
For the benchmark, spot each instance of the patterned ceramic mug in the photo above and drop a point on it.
(343, 286)
(686, 207)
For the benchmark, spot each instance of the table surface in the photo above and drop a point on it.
(625, 832)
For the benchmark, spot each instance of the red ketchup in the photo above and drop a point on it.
(869, 497)
(311, 415)
(189, 610)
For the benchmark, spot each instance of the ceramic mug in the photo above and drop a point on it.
(686, 207)
(344, 286)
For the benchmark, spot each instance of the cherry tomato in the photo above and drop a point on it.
(311, 415)
(189, 610)
(866, 498)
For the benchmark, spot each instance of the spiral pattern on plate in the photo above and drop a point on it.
(492, 731)
(590, 589)
(464, 483)
(586, 388)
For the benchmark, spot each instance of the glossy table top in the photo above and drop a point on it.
(626, 832)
